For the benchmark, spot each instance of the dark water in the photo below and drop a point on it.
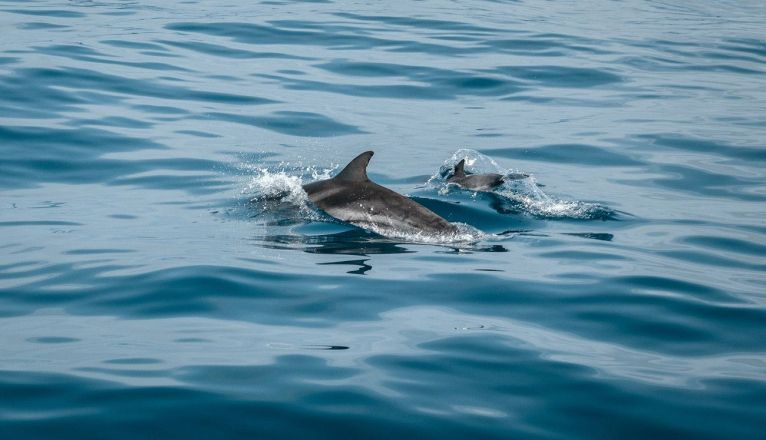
(618, 293)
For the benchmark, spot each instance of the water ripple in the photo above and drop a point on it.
(163, 274)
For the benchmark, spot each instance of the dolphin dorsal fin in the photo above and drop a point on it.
(356, 170)
(460, 168)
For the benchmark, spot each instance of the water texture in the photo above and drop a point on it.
(162, 275)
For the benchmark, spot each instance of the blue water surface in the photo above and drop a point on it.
(147, 290)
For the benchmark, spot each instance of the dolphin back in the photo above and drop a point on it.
(459, 169)
(352, 197)
(356, 170)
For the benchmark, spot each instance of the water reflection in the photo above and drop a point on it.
(350, 242)
(592, 235)
(358, 242)
(361, 270)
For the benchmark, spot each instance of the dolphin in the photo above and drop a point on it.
(480, 182)
(352, 197)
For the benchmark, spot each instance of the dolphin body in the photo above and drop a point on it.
(352, 197)
(480, 182)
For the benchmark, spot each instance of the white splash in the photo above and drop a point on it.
(525, 192)
(278, 193)
(464, 234)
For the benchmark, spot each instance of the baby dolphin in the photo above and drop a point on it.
(480, 182)
(352, 197)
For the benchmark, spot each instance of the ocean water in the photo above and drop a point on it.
(162, 275)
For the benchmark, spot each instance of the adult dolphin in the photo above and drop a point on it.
(352, 197)
(480, 182)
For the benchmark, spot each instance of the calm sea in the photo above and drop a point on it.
(151, 287)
